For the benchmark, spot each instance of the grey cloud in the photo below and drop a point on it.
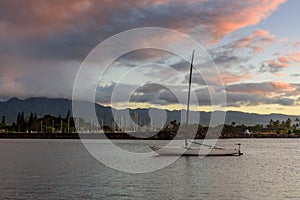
(160, 95)
(182, 65)
(285, 101)
(89, 22)
(50, 34)
(295, 75)
(150, 88)
(250, 88)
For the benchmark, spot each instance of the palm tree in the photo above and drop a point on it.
(233, 124)
(288, 123)
(271, 123)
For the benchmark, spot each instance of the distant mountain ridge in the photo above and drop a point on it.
(43, 106)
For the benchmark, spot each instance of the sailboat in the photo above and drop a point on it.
(202, 149)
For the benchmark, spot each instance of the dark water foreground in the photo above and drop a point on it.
(63, 169)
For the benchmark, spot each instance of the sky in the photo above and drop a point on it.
(255, 45)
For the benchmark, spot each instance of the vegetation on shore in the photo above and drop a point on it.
(50, 124)
(35, 124)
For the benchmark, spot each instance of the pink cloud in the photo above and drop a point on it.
(229, 78)
(253, 13)
(225, 78)
(278, 64)
(38, 29)
(295, 56)
(256, 41)
(265, 88)
(9, 84)
(282, 61)
(38, 18)
(282, 86)
(280, 74)
(218, 18)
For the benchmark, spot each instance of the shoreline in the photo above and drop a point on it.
(131, 136)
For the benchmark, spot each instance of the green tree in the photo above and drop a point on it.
(30, 122)
(288, 123)
(68, 115)
(297, 120)
(35, 117)
(271, 125)
(22, 118)
(18, 118)
(233, 124)
(3, 120)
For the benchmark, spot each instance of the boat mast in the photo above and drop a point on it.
(188, 102)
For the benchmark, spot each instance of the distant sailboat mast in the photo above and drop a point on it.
(188, 102)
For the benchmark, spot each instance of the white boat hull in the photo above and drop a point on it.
(195, 151)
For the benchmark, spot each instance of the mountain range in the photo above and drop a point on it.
(58, 106)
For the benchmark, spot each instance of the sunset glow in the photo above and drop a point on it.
(254, 44)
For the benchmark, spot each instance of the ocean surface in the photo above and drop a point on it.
(64, 169)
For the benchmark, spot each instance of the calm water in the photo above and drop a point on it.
(63, 169)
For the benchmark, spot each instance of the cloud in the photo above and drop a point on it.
(237, 95)
(249, 13)
(30, 78)
(181, 65)
(238, 53)
(281, 62)
(262, 88)
(255, 41)
(151, 93)
(9, 84)
(66, 27)
(285, 101)
(217, 79)
(280, 74)
(295, 57)
(249, 94)
(295, 75)
(150, 88)
(43, 42)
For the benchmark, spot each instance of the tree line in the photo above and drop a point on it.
(32, 123)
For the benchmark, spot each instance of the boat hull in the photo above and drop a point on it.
(194, 151)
